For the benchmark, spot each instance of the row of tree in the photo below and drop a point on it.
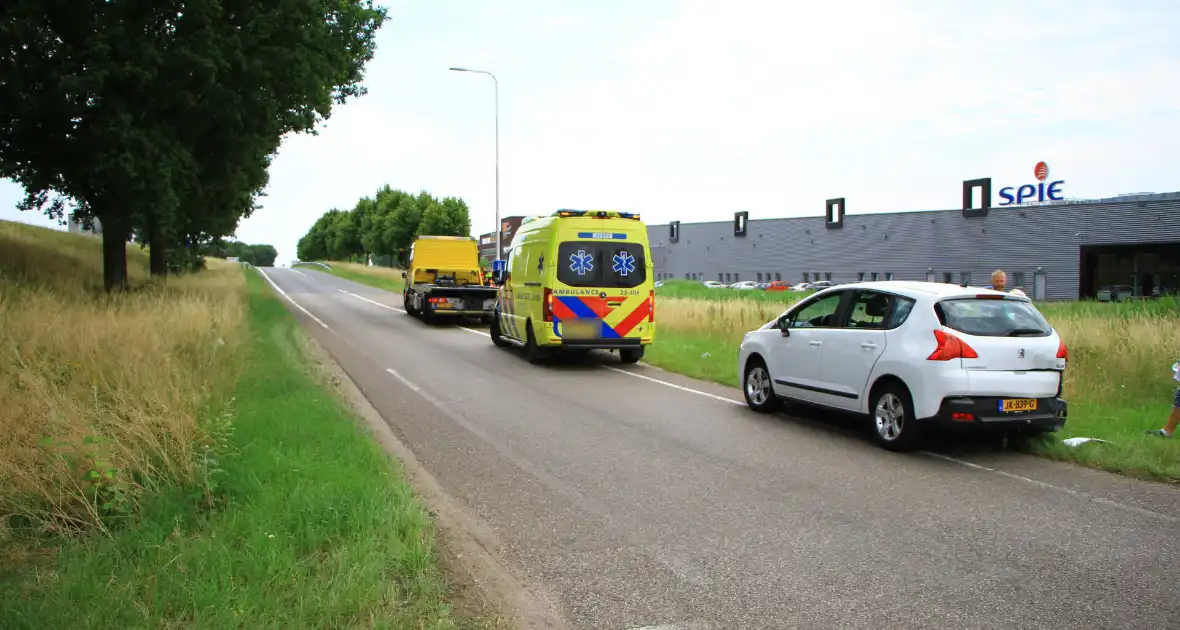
(160, 119)
(382, 227)
(257, 255)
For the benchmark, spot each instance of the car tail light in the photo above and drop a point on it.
(1062, 351)
(547, 305)
(651, 306)
(962, 416)
(951, 347)
(988, 296)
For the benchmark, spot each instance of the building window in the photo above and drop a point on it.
(805, 276)
(874, 276)
(727, 280)
(828, 276)
(965, 277)
(686, 276)
(759, 276)
(860, 276)
(888, 275)
(948, 277)
(778, 277)
(1018, 280)
(720, 277)
(736, 277)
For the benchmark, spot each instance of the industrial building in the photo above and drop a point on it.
(1059, 250)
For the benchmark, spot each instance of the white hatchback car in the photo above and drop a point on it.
(907, 354)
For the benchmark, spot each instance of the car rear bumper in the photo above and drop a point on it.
(983, 413)
(599, 344)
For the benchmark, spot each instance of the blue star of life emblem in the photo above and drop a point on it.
(624, 263)
(581, 263)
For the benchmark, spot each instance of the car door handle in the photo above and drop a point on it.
(868, 344)
(815, 343)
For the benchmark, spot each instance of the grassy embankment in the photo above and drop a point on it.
(168, 458)
(1118, 382)
(375, 276)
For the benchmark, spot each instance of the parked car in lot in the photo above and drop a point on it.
(1115, 293)
(911, 354)
(778, 285)
(713, 284)
(745, 285)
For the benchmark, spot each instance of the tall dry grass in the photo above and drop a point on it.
(105, 397)
(1120, 354)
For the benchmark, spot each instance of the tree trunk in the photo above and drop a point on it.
(157, 247)
(114, 253)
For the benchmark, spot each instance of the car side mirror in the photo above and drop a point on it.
(498, 277)
(403, 274)
(784, 327)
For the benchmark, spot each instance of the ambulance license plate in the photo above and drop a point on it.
(581, 328)
(1018, 404)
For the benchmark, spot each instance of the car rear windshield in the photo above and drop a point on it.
(992, 317)
(601, 264)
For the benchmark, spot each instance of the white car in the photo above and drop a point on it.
(713, 284)
(907, 354)
(744, 285)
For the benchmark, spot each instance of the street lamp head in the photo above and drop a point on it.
(460, 69)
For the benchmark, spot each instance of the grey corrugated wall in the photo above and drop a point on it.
(907, 244)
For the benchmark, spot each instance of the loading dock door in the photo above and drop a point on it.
(1039, 282)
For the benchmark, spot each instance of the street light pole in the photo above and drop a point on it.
(496, 88)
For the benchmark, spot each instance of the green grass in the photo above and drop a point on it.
(379, 277)
(317, 528)
(692, 290)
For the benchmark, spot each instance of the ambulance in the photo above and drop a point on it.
(577, 280)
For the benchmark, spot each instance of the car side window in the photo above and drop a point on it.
(902, 307)
(820, 313)
(869, 309)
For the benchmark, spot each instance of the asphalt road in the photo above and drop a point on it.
(641, 498)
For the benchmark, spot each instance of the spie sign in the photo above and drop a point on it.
(1040, 192)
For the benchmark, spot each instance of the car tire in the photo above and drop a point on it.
(408, 303)
(758, 387)
(494, 331)
(631, 355)
(428, 316)
(891, 411)
(532, 352)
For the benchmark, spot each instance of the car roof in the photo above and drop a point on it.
(919, 289)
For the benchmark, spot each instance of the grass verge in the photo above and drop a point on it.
(1118, 382)
(380, 277)
(311, 525)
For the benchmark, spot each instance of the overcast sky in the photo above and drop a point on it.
(692, 110)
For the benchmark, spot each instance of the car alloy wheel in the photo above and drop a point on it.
(894, 426)
(758, 389)
(889, 417)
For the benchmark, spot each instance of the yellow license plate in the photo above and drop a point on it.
(1019, 404)
(581, 329)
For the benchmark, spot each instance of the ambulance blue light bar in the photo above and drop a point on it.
(597, 214)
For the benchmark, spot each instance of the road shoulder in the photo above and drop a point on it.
(481, 586)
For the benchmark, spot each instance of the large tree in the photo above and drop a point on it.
(162, 116)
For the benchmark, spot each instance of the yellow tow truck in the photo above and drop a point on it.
(444, 279)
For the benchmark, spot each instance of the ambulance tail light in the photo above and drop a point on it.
(651, 306)
(547, 305)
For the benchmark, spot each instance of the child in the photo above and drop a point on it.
(1174, 418)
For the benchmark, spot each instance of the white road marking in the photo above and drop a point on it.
(361, 297)
(300, 273)
(692, 625)
(472, 330)
(675, 386)
(1049, 486)
(292, 301)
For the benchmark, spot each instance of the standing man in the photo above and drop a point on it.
(999, 280)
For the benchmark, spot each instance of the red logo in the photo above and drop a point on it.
(1041, 171)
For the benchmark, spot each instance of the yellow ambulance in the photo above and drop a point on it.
(577, 280)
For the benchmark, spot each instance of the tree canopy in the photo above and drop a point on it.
(160, 119)
(383, 227)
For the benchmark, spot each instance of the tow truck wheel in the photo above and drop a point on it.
(534, 353)
(408, 303)
(494, 331)
(428, 317)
